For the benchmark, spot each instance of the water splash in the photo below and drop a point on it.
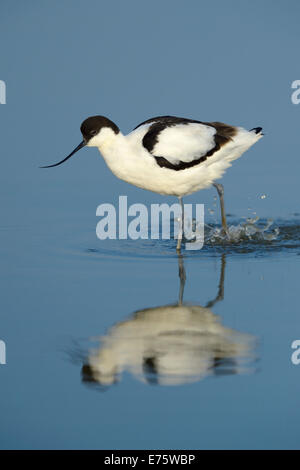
(258, 237)
(251, 230)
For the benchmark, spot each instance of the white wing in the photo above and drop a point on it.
(181, 142)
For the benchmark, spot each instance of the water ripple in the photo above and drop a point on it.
(259, 237)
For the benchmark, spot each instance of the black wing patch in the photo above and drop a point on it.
(169, 121)
(151, 137)
(224, 134)
(163, 162)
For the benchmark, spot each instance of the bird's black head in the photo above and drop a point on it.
(91, 129)
(93, 125)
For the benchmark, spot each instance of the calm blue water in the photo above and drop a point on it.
(106, 348)
(100, 353)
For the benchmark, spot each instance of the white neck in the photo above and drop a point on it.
(113, 148)
(125, 157)
(106, 140)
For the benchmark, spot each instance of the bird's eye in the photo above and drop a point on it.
(93, 132)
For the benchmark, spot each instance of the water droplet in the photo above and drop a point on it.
(251, 230)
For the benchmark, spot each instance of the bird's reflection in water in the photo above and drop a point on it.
(171, 344)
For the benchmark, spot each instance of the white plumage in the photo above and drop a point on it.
(171, 344)
(135, 157)
(181, 340)
(185, 142)
(169, 155)
(130, 161)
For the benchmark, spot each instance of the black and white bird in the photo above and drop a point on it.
(170, 344)
(167, 154)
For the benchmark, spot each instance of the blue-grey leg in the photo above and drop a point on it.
(182, 277)
(181, 231)
(220, 294)
(220, 189)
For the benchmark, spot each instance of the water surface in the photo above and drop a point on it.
(122, 344)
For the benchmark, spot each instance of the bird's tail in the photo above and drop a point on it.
(257, 130)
